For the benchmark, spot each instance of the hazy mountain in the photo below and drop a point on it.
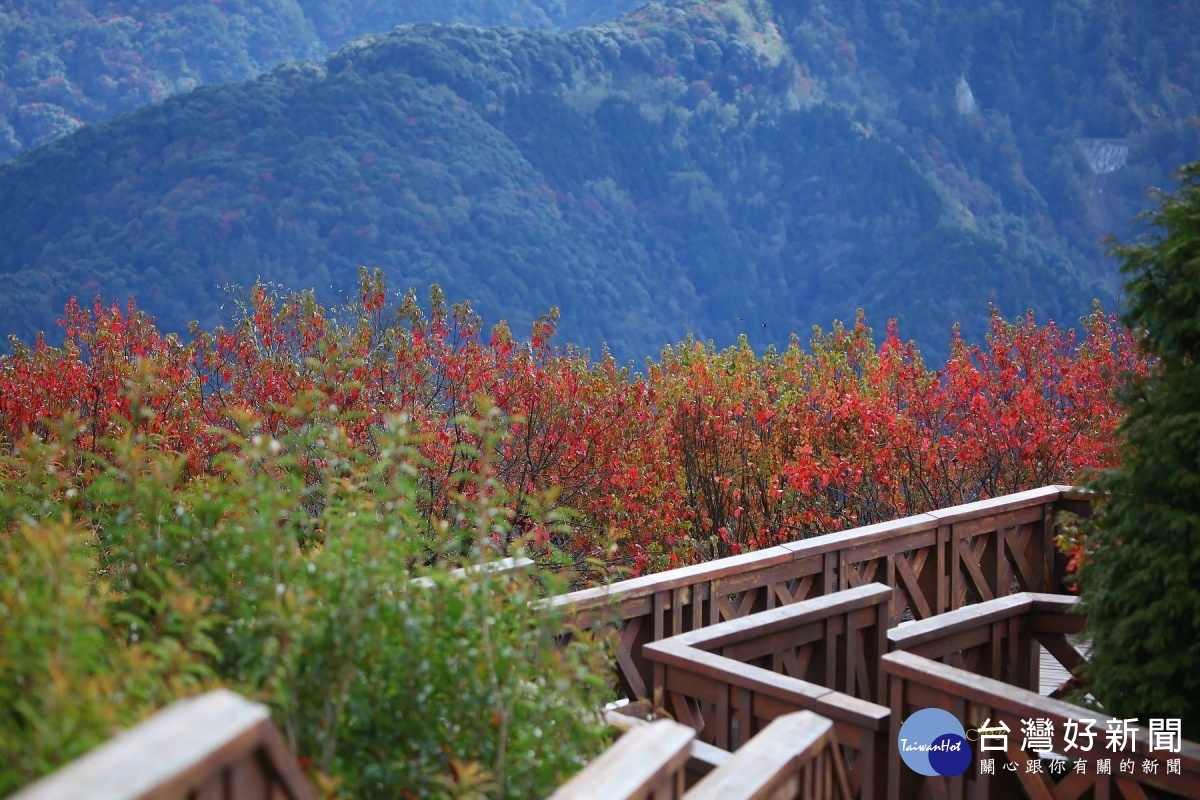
(712, 168)
(66, 63)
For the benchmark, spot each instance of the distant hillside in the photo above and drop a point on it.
(712, 168)
(66, 63)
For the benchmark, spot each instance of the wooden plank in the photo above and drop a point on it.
(969, 558)
(908, 635)
(903, 541)
(289, 781)
(886, 538)
(959, 643)
(993, 525)
(912, 587)
(248, 779)
(1054, 622)
(511, 567)
(997, 505)
(213, 788)
(190, 740)
(785, 617)
(641, 762)
(702, 759)
(770, 764)
(773, 695)
(627, 658)
(1075, 493)
(1057, 603)
(895, 771)
(745, 676)
(777, 571)
(635, 593)
(693, 684)
(1013, 702)
(788, 639)
(743, 564)
(862, 536)
(862, 714)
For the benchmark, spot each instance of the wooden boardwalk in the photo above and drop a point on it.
(1051, 674)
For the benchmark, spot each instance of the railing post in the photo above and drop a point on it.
(894, 769)
(1051, 557)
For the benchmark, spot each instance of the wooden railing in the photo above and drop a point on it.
(647, 762)
(918, 683)
(728, 681)
(511, 567)
(703, 758)
(834, 641)
(218, 746)
(998, 639)
(725, 647)
(795, 758)
(934, 562)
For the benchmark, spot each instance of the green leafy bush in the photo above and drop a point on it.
(291, 576)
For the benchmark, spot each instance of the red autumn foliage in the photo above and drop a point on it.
(708, 453)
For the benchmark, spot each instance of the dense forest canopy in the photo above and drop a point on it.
(68, 63)
(707, 168)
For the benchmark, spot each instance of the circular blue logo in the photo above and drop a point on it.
(932, 742)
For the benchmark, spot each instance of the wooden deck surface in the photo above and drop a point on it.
(1052, 675)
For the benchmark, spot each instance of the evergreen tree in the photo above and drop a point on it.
(1141, 587)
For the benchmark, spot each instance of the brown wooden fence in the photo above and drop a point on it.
(999, 639)
(1018, 770)
(728, 681)
(727, 646)
(647, 762)
(796, 758)
(218, 746)
(934, 562)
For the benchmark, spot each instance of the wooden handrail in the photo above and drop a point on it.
(218, 745)
(512, 566)
(702, 759)
(996, 639)
(918, 682)
(600, 597)
(933, 562)
(728, 703)
(795, 758)
(834, 641)
(765, 623)
(647, 762)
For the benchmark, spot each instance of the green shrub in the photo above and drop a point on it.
(68, 678)
(288, 576)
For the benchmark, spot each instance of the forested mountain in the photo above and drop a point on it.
(712, 168)
(66, 63)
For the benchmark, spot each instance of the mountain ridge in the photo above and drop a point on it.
(77, 62)
(687, 168)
